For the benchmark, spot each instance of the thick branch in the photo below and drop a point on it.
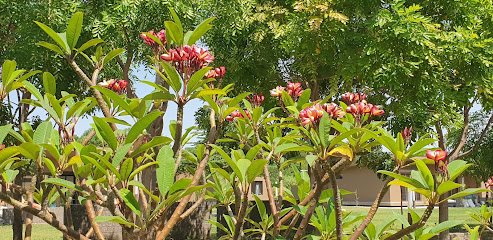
(415, 226)
(479, 140)
(463, 136)
(44, 215)
(373, 210)
(441, 139)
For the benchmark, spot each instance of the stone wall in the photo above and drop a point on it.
(8, 215)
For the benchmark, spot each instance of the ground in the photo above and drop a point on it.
(46, 232)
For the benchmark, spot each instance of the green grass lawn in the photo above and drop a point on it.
(40, 232)
(384, 213)
(46, 232)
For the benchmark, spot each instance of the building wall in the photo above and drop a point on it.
(366, 185)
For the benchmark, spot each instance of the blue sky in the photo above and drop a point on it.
(142, 73)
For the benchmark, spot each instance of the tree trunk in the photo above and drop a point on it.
(17, 224)
(443, 216)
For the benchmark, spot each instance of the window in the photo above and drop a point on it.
(404, 191)
(257, 188)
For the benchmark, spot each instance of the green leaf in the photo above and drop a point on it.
(176, 19)
(106, 132)
(288, 101)
(116, 98)
(130, 200)
(30, 150)
(174, 32)
(303, 99)
(63, 183)
(115, 219)
(120, 154)
(324, 129)
(9, 175)
(238, 99)
(42, 133)
(426, 174)
(74, 28)
(156, 141)
(51, 167)
(256, 168)
(195, 80)
(466, 192)
(412, 182)
(49, 83)
(456, 168)
(4, 131)
(141, 186)
(175, 80)
(126, 169)
(140, 125)
(199, 31)
(243, 165)
(447, 186)
(55, 36)
(88, 44)
(140, 169)
(310, 159)
(51, 46)
(165, 171)
(112, 55)
(209, 92)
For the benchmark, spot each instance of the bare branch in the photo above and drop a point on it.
(479, 140)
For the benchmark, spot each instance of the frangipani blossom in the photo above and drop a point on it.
(277, 92)
(437, 155)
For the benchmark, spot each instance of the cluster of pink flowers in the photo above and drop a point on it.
(216, 73)
(257, 100)
(360, 108)
(314, 113)
(188, 59)
(2, 147)
(407, 134)
(353, 97)
(156, 48)
(487, 184)
(115, 85)
(238, 114)
(293, 89)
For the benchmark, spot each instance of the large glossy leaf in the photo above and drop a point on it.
(140, 125)
(42, 133)
(342, 151)
(74, 28)
(256, 168)
(176, 19)
(173, 77)
(130, 200)
(63, 183)
(448, 186)
(466, 192)
(456, 168)
(200, 31)
(51, 46)
(195, 80)
(4, 131)
(126, 169)
(88, 44)
(174, 32)
(120, 154)
(165, 171)
(116, 98)
(112, 54)
(55, 36)
(141, 168)
(324, 129)
(106, 132)
(115, 219)
(426, 174)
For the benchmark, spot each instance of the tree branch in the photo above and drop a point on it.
(480, 139)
